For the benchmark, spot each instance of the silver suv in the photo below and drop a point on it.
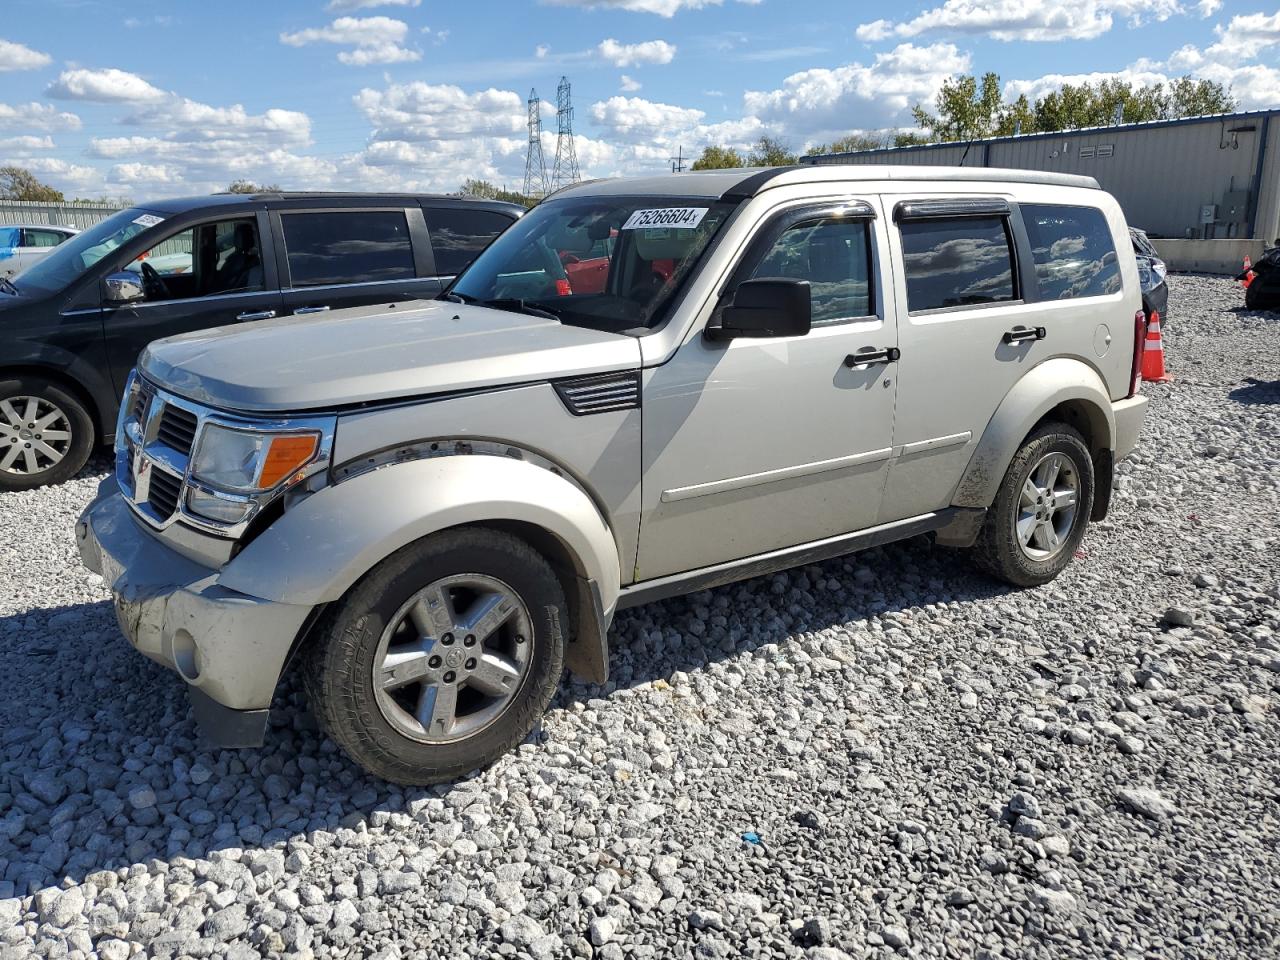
(643, 388)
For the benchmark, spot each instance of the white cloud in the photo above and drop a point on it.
(636, 54)
(628, 85)
(375, 39)
(104, 86)
(633, 118)
(23, 145)
(16, 56)
(826, 102)
(1035, 20)
(541, 51)
(37, 116)
(1208, 8)
(663, 8)
(338, 6)
(1245, 37)
(418, 111)
(73, 179)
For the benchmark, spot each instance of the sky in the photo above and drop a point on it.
(152, 98)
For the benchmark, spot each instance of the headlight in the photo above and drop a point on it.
(247, 461)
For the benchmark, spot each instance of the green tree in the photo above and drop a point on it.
(485, 190)
(19, 183)
(771, 152)
(966, 109)
(852, 143)
(248, 186)
(718, 158)
(1198, 98)
(1016, 117)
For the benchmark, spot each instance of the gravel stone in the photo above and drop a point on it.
(918, 749)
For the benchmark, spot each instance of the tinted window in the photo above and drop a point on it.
(9, 236)
(458, 235)
(957, 262)
(1073, 251)
(42, 238)
(354, 246)
(834, 256)
(209, 259)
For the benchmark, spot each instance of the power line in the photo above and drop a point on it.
(566, 168)
(535, 167)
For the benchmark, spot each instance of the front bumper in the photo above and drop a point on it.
(1129, 414)
(225, 644)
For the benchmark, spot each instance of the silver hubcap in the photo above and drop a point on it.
(452, 658)
(34, 435)
(1047, 507)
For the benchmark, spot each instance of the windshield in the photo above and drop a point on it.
(609, 263)
(68, 260)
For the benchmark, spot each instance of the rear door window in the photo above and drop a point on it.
(458, 235)
(347, 246)
(957, 262)
(42, 238)
(1073, 251)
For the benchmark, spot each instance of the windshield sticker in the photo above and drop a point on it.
(676, 218)
(148, 220)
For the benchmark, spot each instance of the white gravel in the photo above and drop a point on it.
(922, 761)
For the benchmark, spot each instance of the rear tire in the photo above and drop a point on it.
(1041, 510)
(409, 675)
(46, 434)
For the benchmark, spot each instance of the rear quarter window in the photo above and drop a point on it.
(957, 262)
(1073, 251)
(458, 236)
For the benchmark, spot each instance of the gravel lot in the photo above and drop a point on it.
(883, 753)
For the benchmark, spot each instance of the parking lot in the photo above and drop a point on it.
(884, 752)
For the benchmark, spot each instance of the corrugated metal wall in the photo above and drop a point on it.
(1163, 175)
(79, 215)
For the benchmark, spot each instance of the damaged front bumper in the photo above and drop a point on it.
(225, 645)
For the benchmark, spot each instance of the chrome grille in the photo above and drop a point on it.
(177, 428)
(600, 394)
(163, 494)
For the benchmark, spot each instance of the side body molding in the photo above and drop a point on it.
(322, 546)
(1051, 384)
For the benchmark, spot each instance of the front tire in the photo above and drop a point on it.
(1041, 510)
(442, 658)
(46, 434)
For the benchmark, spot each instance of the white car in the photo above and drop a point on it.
(21, 244)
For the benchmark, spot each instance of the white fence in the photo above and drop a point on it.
(79, 215)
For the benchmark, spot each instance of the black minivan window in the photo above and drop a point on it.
(957, 262)
(1073, 251)
(457, 236)
(348, 246)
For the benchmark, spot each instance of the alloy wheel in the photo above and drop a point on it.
(1047, 507)
(453, 657)
(35, 435)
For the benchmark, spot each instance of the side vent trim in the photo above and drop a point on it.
(600, 393)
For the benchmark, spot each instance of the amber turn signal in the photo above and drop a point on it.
(285, 456)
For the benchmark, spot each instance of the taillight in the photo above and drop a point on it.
(563, 289)
(1139, 345)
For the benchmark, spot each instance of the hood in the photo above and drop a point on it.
(376, 353)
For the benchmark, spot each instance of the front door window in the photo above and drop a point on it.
(203, 261)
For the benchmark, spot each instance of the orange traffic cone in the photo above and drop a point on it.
(1153, 370)
(1248, 272)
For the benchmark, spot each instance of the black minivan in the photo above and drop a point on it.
(72, 326)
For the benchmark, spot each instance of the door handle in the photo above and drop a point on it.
(301, 310)
(258, 315)
(868, 357)
(1023, 336)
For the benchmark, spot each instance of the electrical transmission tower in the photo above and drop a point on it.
(535, 168)
(566, 168)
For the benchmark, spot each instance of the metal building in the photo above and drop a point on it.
(1215, 178)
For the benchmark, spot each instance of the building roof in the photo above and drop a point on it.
(748, 181)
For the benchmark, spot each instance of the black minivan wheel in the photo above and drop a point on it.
(1041, 510)
(46, 435)
(442, 658)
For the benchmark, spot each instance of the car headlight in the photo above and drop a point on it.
(251, 461)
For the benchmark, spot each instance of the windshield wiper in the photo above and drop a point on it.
(459, 297)
(7, 285)
(516, 305)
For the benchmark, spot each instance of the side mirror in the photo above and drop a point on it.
(765, 308)
(123, 287)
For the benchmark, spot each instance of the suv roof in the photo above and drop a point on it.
(747, 182)
(175, 205)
